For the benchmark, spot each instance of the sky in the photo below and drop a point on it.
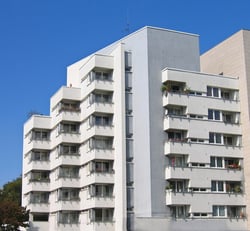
(40, 38)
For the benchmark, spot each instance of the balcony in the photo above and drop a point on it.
(202, 200)
(105, 178)
(100, 81)
(66, 115)
(37, 186)
(99, 202)
(100, 226)
(100, 131)
(173, 122)
(39, 165)
(196, 174)
(176, 98)
(71, 205)
(100, 107)
(39, 207)
(98, 154)
(65, 137)
(66, 182)
(68, 159)
(38, 144)
(182, 146)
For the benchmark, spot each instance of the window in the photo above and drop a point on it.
(102, 215)
(213, 114)
(40, 217)
(195, 140)
(195, 93)
(216, 162)
(176, 136)
(68, 217)
(178, 161)
(69, 106)
(217, 186)
(101, 166)
(101, 190)
(40, 155)
(41, 176)
(227, 140)
(100, 98)
(175, 111)
(100, 120)
(198, 189)
(213, 91)
(69, 128)
(68, 149)
(39, 197)
(201, 165)
(101, 143)
(102, 75)
(200, 214)
(40, 135)
(194, 116)
(69, 172)
(219, 211)
(180, 211)
(214, 138)
(67, 194)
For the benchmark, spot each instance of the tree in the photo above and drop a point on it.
(12, 191)
(12, 215)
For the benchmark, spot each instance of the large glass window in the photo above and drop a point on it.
(68, 149)
(217, 186)
(67, 194)
(39, 197)
(40, 217)
(216, 162)
(41, 176)
(69, 128)
(219, 211)
(101, 215)
(40, 155)
(213, 114)
(214, 138)
(213, 91)
(69, 217)
(69, 172)
(40, 134)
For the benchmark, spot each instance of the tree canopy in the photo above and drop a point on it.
(12, 215)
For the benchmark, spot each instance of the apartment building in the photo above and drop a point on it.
(139, 139)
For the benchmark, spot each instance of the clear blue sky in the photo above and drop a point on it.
(40, 38)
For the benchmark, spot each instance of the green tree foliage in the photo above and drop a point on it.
(12, 191)
(12, 215)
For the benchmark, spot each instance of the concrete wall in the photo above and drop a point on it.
(232, 57)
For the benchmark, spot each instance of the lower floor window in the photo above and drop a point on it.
(180, 211)
(68, 217)
(40, 217)
(102, 215)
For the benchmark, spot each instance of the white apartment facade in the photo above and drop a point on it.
(139, 139)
